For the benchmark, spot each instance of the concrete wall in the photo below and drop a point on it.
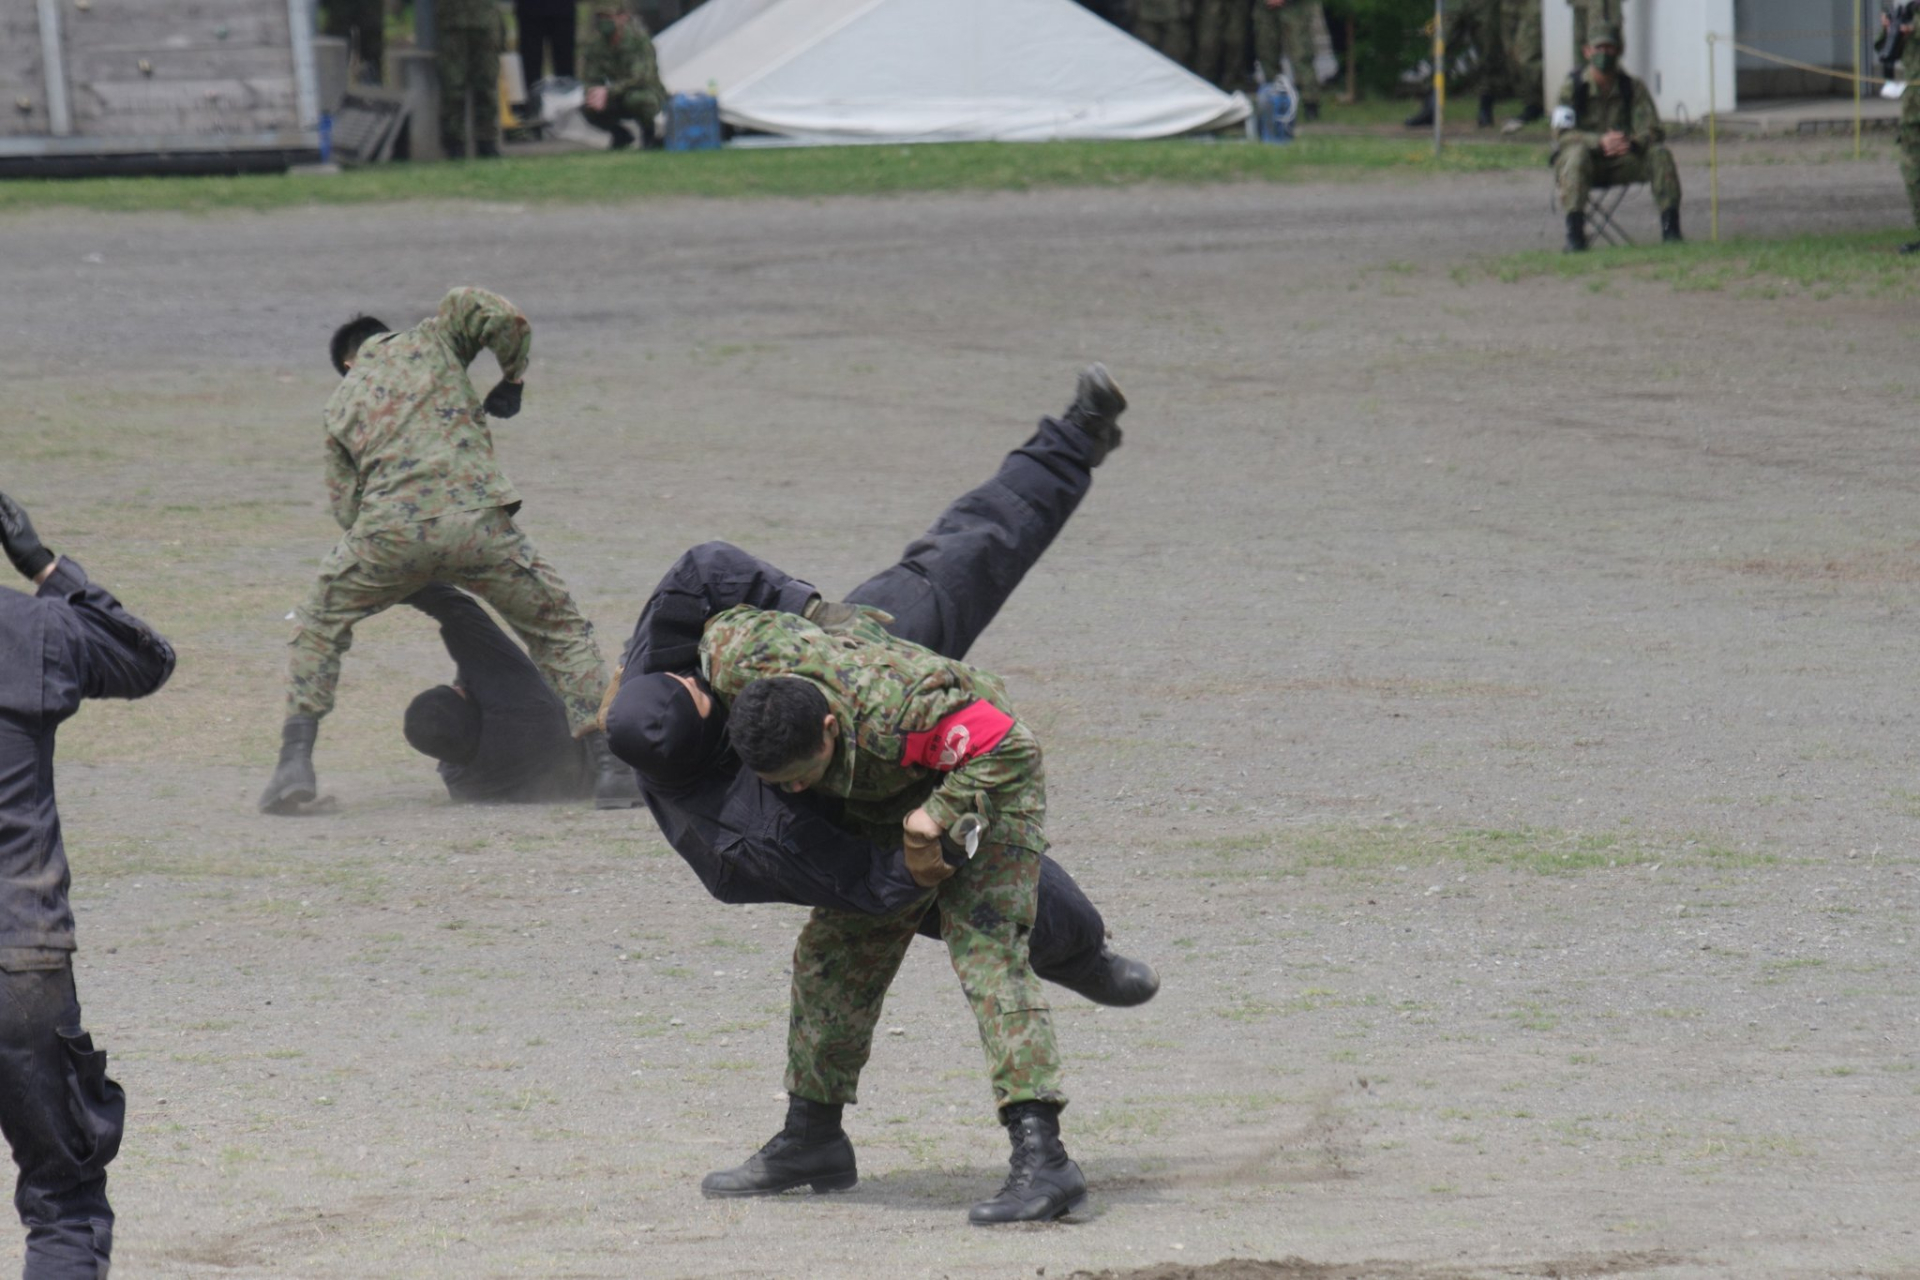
(1814, 31)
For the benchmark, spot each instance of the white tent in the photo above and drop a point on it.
(934, 71)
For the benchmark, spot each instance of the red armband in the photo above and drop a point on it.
(969, 732)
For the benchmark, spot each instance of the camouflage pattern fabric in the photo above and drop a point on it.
(627, 66)
(469, 59)
(482, 551)
(406, 438)
(1577, 163)
(1287, 30)
(1167, 25)
(844, 962)
(1910, 123)
(1590, 11)
(1220, 43)
(1476, 26)
(881, 689)
(1526, 51)
(466, 15)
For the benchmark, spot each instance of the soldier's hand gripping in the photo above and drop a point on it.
(22, 543)
(504, 400)
(920, 840)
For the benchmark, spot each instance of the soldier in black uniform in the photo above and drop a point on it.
(62, 1116)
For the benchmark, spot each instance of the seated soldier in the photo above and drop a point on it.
(499, 733)
(1606, 133)
(622, 77)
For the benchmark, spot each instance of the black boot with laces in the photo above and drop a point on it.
(811, 1149)
(1042, 1183)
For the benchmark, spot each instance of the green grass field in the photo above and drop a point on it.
(806, 172)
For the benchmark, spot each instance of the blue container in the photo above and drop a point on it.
(693, 122)
(326, 137)
(1273, 111)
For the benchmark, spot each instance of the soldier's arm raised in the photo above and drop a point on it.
(475, 318)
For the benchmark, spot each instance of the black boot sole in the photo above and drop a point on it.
(288, 801)
(820, 1186)
(1066, 1210)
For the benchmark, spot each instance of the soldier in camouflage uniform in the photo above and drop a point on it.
(1910, 122)
(1606, 131)
(1286, 27)
(622, 77)
(913, 742)
(1166, 25)
(1220, 42)
(1526, 54)
(468, 48)
(412, 479)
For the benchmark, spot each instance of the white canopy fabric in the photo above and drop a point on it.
(934, 71)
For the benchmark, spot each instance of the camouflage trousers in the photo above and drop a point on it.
(1580, 169)
(469, 58)
(1220, 42)
(1289, 31)
(1910, 162)
(845, 961)
(482, 551)
(1526, 51)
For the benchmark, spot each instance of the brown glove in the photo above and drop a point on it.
(926, 862)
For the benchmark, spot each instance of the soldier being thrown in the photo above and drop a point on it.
(913, 742)
(413, 481)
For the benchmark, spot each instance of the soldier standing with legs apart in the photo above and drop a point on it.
(62, 1115)
(468, 45)
(413, 481)
(1285, 27)
(1606, 132)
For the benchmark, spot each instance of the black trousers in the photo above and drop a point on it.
(544, 29)
(62, 1117)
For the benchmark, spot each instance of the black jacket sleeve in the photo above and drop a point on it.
(705, 580)
(113, 653)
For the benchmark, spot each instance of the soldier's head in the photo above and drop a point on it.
(1604, 47)
(348, 337)
(667, 727)
(785, 732)
(444, 723)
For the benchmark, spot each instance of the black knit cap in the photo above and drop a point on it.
(442, 724)
(654, 726)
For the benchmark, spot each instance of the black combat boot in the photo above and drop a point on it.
(1670, 227)
(619, 137)
(1115, 980)
(1531, 112)
(1912, 246)
(812, 1148)
(1310, 111)
(486, 150)
(1485, 119)
(1096, 409)
(293, 784)
(614, 786)
(1576, 233)
(1042, 1184)
(1424, 116)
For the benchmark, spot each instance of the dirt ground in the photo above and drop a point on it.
(1491, 705)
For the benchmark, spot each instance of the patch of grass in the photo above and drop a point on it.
(596, 177)
(1819, 266)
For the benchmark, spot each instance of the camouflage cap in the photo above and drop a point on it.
(1605, 33)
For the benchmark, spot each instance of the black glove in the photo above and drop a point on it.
(22, 543)
(504, 400)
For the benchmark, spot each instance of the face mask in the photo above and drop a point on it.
(1604, 61)
(605, 26)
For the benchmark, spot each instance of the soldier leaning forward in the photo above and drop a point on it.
(912, 742)
(1606, 132)
(412, 479)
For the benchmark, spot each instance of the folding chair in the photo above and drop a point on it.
(1603, 203)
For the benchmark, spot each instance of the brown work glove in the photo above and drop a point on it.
(920, 839)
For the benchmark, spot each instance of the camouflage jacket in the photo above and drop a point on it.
(625, 64)
(891, 697)
(1910, 72)
(406, 438)
(1624, 106)
(467, 14)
